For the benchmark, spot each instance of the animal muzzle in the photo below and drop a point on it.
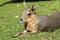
(21, 21)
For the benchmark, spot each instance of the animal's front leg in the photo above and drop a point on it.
(26, 32)
(20, 34)
(23, 33)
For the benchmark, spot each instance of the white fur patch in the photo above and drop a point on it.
(24, 31)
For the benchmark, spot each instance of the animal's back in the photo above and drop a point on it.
(50, 22)
(53, 21)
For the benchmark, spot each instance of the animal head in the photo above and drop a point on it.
(27, 13)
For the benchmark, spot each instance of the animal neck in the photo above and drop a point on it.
(33, 19)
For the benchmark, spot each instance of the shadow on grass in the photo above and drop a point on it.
(19, 1)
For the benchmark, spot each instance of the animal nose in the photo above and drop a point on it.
(21, 19)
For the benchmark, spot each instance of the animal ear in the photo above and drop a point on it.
(25, 5)
(33, 7)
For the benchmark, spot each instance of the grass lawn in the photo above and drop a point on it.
(9, 23)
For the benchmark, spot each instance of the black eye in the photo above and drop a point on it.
(28, 14)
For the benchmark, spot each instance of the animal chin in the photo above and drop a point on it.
(21, 21)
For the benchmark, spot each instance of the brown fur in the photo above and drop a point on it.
(31, 23)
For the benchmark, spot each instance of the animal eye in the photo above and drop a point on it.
(28, 14)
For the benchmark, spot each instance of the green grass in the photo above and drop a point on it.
(9, 24)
